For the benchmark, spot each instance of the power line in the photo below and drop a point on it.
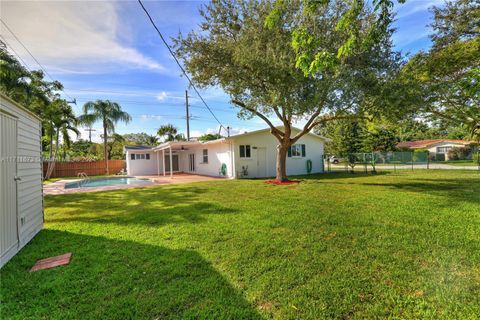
(31, 55)
(178, 63)
(16, 54)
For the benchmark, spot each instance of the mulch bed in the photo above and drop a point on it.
(280, 183)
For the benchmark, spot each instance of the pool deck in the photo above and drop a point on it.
(58, 187)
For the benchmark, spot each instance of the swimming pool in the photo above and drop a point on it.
(102, 182)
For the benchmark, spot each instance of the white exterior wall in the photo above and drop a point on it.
(218, 153)
(433, 148)
(143, 167)
(295, 166)
(29, 169)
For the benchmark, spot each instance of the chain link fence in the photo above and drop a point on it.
(393, 161)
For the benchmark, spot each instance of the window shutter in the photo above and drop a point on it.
(290, 151)
(303, 150)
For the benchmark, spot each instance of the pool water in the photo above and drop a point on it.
(106, 182)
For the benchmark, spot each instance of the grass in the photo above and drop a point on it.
(337, 246)
(461, 163)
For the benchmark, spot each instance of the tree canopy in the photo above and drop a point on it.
(448, 75)
(251, 57)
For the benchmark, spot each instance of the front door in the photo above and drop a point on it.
(8, 188)
(261, 162)
(191, 162)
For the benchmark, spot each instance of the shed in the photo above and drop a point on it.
(21, 198)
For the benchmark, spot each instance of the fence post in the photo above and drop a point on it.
(365, 163)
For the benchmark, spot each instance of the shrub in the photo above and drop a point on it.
(459, 153)
(476, 157)
(439, 157)
(420, 155)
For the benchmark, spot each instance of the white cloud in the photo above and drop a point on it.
(413, 6)
(72, 36)
(162, 96)
(145, 117)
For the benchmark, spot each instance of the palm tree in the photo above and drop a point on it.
(151, 140)
(61, 120)
(109, 113)
(170, 132)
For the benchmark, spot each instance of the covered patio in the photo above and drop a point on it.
(173, 158)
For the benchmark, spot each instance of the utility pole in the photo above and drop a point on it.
(90, 133)
(188, 117)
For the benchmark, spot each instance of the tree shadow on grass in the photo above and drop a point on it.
(456, 189)
(338, 175)
(112, 279)
(153, 206)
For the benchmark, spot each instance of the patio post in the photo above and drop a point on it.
(163, 161)
(171, 162)
(158, 163)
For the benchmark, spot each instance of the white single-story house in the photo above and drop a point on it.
(248, 155)
(21, 199)
(435, 146)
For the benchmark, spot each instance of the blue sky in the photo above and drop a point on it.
(108, 50)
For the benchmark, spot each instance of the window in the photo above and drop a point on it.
(132, 156)
(297, 151)
(147, 156)
(205, 155)
(443, 149)
(245, 151)
(140, 156)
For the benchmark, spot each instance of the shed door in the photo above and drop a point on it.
(8, 188)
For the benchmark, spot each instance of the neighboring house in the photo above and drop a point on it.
(249, 155)
(21, 200)
(436, 146)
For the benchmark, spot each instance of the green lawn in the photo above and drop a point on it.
(460, 163)
(338, 246)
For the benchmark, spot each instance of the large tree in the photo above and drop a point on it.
(108, 113)
(241, 49)
(448, 75)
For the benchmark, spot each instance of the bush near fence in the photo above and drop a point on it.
(91, 168)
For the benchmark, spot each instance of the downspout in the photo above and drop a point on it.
(232, 159)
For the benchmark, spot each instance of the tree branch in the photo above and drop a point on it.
(277, 133)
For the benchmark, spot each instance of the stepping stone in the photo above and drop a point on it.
(52, 262)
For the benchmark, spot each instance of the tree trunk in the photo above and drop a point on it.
(282, 150)
(105, 151)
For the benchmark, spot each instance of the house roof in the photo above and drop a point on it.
(133, 147)
(185, 144)
(426, 143)
(268, 129)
